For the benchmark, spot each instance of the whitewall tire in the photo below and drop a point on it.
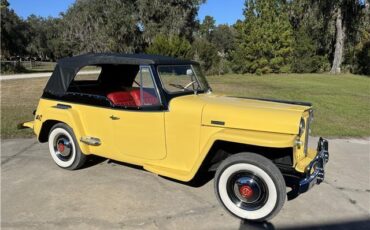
(250, 187)
(64, 148)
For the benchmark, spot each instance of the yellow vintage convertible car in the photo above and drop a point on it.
(160, 113)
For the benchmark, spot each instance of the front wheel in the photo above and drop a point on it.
(250, 187)
(64, 148)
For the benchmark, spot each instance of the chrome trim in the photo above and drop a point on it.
(298, 143)
(156, 89)
(260, 190)
(67, 152)
(318, 164)
(61, 106)
(163, 86)
(214, 122)
(302, 127)
(307, 131)
(90, 141)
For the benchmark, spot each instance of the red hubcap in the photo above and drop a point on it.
(246, 191)
(61, 147)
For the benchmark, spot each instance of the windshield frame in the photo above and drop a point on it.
(199, 77)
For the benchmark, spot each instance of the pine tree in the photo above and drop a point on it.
(311, 38)
(173, 46)
(265, 39)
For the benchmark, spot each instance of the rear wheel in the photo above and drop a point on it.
(64, 148)
(250, 186)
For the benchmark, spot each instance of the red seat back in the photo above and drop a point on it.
(149, 98)
(121, 98)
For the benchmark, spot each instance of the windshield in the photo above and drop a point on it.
(182, 78)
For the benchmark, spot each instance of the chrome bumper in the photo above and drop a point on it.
(315, 173)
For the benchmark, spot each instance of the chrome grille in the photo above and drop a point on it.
(307, 131)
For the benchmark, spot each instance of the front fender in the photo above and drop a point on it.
(265, 139)
(250, 137)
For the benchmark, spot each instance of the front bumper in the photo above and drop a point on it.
(26, 125)
(314, 173)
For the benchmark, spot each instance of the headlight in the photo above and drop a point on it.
(302, 126)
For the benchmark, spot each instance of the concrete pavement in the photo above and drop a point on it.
(36, 194)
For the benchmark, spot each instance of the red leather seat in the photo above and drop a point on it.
(149, 99)
(121, 98)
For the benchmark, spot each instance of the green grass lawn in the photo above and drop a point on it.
(341, 103)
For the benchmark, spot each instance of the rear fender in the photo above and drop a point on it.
(68, 116)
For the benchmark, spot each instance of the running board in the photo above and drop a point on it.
(91, 141)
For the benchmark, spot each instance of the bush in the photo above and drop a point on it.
(12, 67)
(363, 60)
(305, 58)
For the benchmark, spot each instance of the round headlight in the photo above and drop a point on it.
(302, 126)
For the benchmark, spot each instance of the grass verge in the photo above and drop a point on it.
(341, 103)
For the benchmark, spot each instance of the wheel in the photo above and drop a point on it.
(250, 187)
(64, 148)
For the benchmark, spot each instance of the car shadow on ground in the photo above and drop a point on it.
(246, 225)
(200, 179)
(93, 160)
(113, 162)
(351, 225)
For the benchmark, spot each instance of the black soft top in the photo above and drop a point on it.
(67, 68)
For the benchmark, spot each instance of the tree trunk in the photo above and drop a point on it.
(339, 43)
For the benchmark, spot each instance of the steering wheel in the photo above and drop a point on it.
(177, 86)
(191, 83)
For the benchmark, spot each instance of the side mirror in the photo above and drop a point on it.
(189, 72)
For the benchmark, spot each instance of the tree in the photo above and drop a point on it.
(45, 33)
(345, 15)
(264, 38)
(207, 55)
(207, 27)
(14, 32)
(102, 26)
(223, 37)
(173, 46)
(311, 47)
(361, 61)
(173, 18)
(212, 45)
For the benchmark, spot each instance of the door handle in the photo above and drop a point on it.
(114, 117)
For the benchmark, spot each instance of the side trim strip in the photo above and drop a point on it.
(279, 101)
(62, 106)
(217, 122)
(91, 141)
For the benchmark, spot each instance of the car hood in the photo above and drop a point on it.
(251, 114)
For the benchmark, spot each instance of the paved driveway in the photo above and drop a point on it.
(36, 194)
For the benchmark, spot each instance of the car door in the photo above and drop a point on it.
(139, 131)
(88, 108)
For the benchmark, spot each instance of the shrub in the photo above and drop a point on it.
(12, 67)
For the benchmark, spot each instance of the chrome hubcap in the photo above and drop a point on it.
(63, 147)
(247, 190)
